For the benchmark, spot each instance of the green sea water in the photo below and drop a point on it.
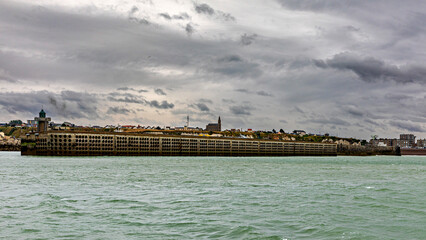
(381, 197)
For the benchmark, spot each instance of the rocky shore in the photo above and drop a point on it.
(9, 143)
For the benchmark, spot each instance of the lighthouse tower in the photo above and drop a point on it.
(42, 121)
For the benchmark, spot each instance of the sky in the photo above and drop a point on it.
(348, 68)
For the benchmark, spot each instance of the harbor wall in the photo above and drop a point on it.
(355, 150)
(102, 144)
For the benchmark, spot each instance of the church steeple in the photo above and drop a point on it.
(219, 123)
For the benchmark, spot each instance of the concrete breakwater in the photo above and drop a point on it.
(351, 150)
(125, 144)
(10, 147)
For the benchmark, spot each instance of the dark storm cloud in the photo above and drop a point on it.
(241, 109)
(160, 91)
(247, 39)
(119, 110)
(371, 70)
(66, 104)
(162, 105)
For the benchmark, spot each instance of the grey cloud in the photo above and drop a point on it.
(4, 76)
(227, 16)
(204, 100)
(242, 90)
(162, 105)
(283, 121)
(372, 70)
(298, 109)
(66, 104)
(189, 29)
(375, 123)
(263, 93)
(397, 97)
(230, 58)
(241, 110)
(235, 66)
(125, 98)
(247, 39)
(182, 16)
(330, 121)
(260, 93)
(130, 98)
(204, 9)
(118, 110)
(203, 107)
(133, 18)
(408, 126)
(228, 100)
(159, 91)
(165, 15)
(354, 111)
(132, 89)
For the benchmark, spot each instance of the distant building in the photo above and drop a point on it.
(407, 140)
(421, 143)
(299, 132)
(32, 123)
(214, 126)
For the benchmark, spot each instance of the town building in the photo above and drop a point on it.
(299, 132)
(32, 123)
(407, 140)
(214, 126)
(421, 143)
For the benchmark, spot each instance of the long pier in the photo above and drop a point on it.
(127, 144)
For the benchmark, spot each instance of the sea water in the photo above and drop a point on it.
(382, 197)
